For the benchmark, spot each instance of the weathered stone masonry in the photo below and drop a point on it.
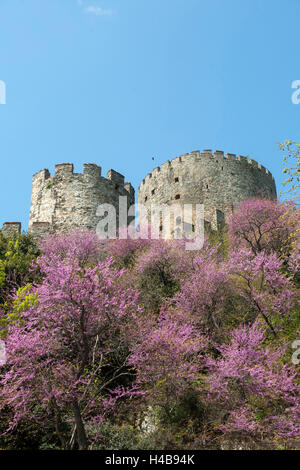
(9, 228)
(69, 200)
(218, 181)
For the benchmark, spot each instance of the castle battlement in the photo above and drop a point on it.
(67, 200)
(216, 156)
(197, 156)
(89, 169)
(218, 180)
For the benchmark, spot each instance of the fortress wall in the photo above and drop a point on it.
(218, 181)
(10, 228)
(68, 200)
(42, 202)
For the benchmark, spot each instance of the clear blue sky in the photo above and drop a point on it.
(117, 82)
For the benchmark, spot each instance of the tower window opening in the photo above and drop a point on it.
(146, 197)
(177, 196)
(176, 179)
(153, 191)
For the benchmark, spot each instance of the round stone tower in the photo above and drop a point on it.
(69, 200)
(219, 182)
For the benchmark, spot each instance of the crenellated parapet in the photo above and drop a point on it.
(216, 179)
(205, 156)
(67, 200)
(220, 181)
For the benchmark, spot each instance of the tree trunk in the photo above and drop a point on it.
(80, 431)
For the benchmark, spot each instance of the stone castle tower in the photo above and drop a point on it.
(69, 200)
(219, 182)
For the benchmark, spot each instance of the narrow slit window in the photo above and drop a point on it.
(176, 179)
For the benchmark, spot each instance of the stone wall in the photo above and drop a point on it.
(10, 228)
(218, 181)
(69, 200)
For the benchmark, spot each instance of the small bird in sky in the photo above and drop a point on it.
(152, 158)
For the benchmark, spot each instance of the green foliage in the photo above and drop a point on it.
(155, 286)
(28, 435)
(220, 239)
(23, 300)
(109, 436)
(17, 253)
(2, 273)
(292, 170)
(189, 407)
